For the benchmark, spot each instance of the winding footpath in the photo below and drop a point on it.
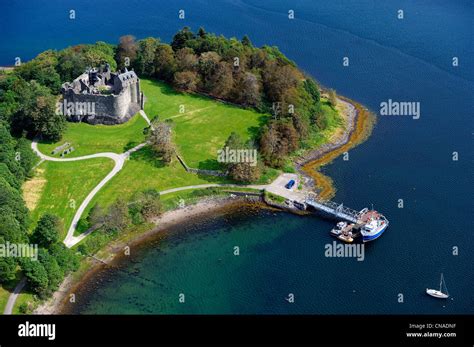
(119, 159)
(70, 239)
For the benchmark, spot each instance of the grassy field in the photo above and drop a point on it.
(6, 289)
(60, 187)
(90, 139)
(203, 126)
(199, 132)
(4, 294)
(142, 172)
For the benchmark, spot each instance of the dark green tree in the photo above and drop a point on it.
(181, 37)
(48, 230)
(36, 275)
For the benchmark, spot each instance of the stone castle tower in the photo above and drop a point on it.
(103, 97)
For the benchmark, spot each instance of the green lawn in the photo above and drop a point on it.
(90, 139)
(24, 297)
(7, 288)
(4, 294)
(143, 171)
(205, 124)
(199, 133)
(64, 185)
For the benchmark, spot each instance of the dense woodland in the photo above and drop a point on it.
(228, 69)
(54, 259)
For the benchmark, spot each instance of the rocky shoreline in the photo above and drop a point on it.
(350, 119)
(314, 158)
(114, 251)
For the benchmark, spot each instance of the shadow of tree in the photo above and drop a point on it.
(210, 164)
(147, 155)
(130, 145)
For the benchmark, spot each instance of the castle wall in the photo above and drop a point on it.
(108, 109)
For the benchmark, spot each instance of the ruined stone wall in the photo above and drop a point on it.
(109, 109)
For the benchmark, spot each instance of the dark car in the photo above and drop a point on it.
(290, 184)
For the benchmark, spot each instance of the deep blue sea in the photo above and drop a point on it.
(403, 60)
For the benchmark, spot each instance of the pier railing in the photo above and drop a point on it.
(332, 208)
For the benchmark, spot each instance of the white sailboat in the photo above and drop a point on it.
(439, 293)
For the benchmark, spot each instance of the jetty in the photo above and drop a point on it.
(369, 223)
(333, 209)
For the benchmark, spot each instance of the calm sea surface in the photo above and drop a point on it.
(402, 60)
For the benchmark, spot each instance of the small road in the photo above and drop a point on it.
(13, 296)
(70, 239)
(201, 186)
(119, 160)
(145, 117)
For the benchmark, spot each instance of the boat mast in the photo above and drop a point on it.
(441, 284)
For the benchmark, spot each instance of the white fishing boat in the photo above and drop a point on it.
(374, 224)
(439, 293)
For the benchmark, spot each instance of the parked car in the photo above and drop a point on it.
(290, 184)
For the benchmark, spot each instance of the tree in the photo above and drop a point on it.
(209, 68)
(245, 172)
(53, 270)
(37, 114)
(48, 230)
(201, 32)
(301, 125)
(66, 258)
(332, 98)
(181, 37)
(246, 41)
(117, 218)
(36, 275)
(241, 170)
(11, 203)
(185, 81)
(43, 70)
(73, 61)
(10, 178)
(146, 56)
(248, 90)
(279, 139)
(96, 216)
(165, 64)
(257, 59)
(148, 203)
(8, 268)
(221, 81)
(161, 141)
(126, 51)
(278, 79)
(8, 155)
(186, 59)
(26, 157)
(312, 88)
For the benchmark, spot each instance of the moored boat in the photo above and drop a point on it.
(439, 293)
(374, 225)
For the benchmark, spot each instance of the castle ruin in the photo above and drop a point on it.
(102, 97)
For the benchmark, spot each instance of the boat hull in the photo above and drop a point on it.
(436, 294)
(368, 238)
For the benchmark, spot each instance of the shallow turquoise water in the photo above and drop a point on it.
(407, 159)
